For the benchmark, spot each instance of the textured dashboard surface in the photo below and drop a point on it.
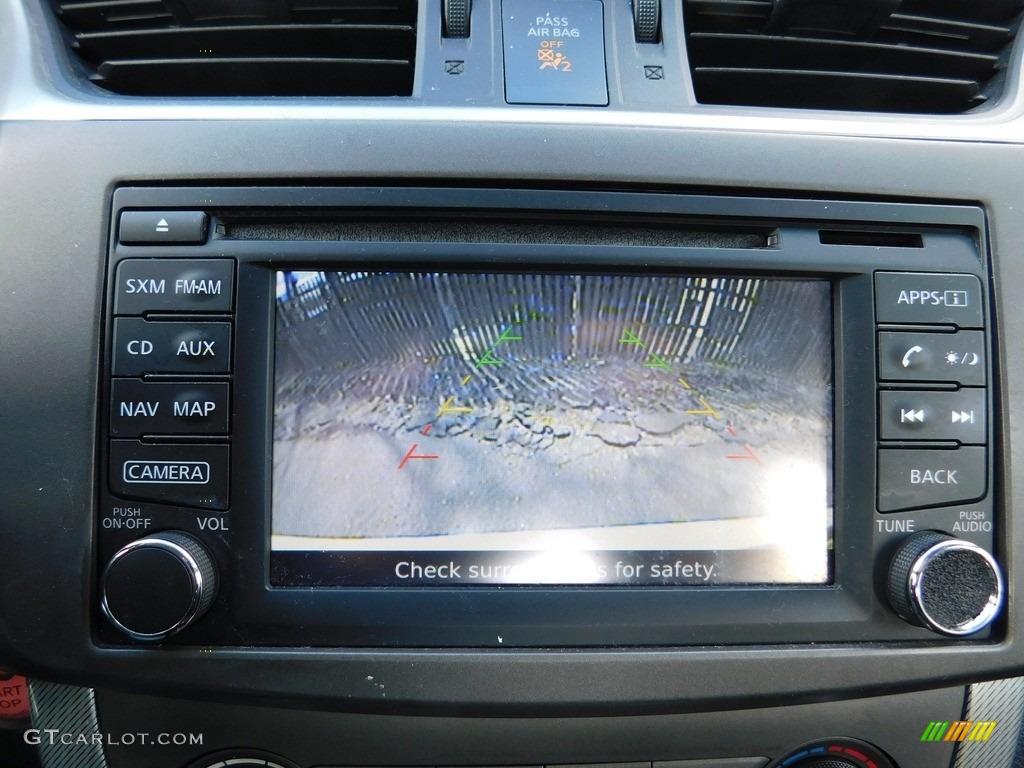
(63, 150)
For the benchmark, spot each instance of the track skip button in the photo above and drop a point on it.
(933, 415)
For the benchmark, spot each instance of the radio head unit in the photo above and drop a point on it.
(509, 418)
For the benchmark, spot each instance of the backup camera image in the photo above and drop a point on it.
(466, 428)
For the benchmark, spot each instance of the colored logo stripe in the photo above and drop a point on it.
(982, 730)
(960, 730)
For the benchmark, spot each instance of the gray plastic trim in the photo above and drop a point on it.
(37, 82)
(1001, 701)
(65, 713)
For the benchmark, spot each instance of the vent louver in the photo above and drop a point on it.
(915, 56)
(251, 48)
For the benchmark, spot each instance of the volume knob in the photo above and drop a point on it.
(945, 584)
(157, 586)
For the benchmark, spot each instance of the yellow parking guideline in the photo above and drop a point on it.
(708, 410)
(446, 409)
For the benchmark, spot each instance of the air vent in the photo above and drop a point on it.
(250, 48)
(919, 56)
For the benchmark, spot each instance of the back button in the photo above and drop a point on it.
(911, 479)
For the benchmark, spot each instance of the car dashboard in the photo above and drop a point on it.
(510, 383)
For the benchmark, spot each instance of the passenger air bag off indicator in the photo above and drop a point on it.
(14, 703)
(554, 52)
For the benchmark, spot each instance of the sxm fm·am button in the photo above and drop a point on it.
(189, 475)
(911, 479)
(174, 285)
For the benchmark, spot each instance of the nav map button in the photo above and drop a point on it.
(912, 478)
(140, 408)
(188, 475)
(924, 298)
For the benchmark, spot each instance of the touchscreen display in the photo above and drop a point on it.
(461, 429)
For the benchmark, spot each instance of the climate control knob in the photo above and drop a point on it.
(157, 586)
(835, 753)
(948, 585)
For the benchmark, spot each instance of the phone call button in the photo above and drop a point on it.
(910, 356)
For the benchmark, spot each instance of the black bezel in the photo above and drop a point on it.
(248, 611)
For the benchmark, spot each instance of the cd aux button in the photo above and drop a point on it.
(189, 475)
(911, 479)
(174, 285)
(140, 408)
(141, 347)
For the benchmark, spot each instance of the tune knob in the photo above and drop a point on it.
(157, 586)
(945, 584)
